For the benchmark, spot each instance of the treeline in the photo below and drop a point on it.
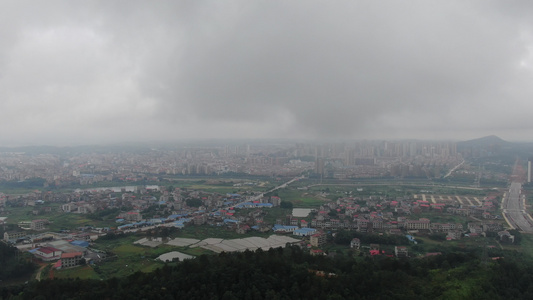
(106, 214)
(291, 273)
(12, 263)
(30, 183)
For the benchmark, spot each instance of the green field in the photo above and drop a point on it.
(128, 259)
(108, 245)
(300, 198)
(58, 220)
(526, 245)
(82, 272)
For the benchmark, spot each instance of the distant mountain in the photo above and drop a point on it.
(491, 146)
(487, 141)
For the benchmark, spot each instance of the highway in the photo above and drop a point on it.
(514, 212)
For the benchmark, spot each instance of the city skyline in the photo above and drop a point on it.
(105, 73)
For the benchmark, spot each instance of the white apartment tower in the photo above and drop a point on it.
(529, 169)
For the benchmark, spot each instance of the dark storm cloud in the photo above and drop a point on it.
(120, 70)
(341, 69)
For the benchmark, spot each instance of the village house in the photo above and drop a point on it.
(401, 251)
(71, 259)
(13, 235)
(506, 237)
(316, 252)
(317, 239)
(355, 243)
(445, 227)
(454, 235)
(242, 229)
(38, 224)
(419, 224)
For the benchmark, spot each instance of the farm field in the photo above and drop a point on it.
(58, 220)
(300, 198)
(82, 272)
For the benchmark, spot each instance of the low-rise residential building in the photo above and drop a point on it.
(317, 239)
(454, 235)
(445, 227)
(506, 237)
(38, 224)
(316, 252)
(355, 243)
(69, 207)
(401, 251)
(48, 253)
(14, 235)
(304, 232)
(417, 224)
(71, 259)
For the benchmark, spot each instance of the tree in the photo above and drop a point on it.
(194, 202)
(286, 204)
(517, 236)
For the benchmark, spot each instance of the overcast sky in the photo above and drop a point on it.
(113, 71)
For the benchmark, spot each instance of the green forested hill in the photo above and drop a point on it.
(12, 264)
(293, 274)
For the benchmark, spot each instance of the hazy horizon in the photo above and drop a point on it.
(199, 142)
(132, 71)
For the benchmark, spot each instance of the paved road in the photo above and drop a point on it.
(454, 168)
(257, 197)
(38, 275)
(514, 210)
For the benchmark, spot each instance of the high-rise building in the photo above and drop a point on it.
(319, 166)
(529, 161)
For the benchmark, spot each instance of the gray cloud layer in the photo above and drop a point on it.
(128, 70)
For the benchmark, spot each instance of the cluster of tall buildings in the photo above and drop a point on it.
(383, 158)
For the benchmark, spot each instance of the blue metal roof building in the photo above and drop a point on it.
(304, 231)
(83, 244)
(284, 228)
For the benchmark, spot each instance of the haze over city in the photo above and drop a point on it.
(126, 71)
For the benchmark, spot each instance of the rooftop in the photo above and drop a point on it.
(71, 255)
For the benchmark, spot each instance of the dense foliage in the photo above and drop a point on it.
(286, 204)
(105, 214)
(194, 202)
(293, 274)
(12, 263)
